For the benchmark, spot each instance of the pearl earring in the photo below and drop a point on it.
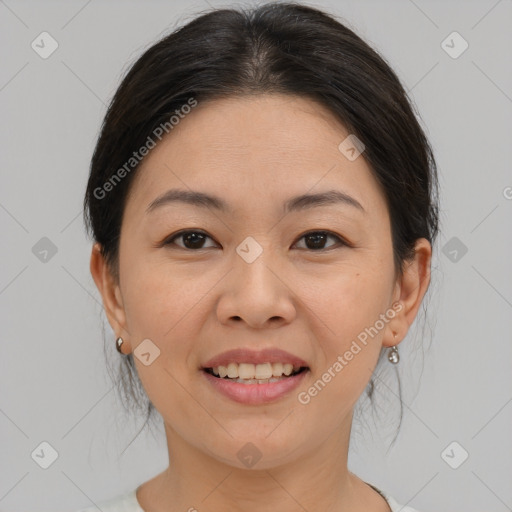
(119, 342)
(393, 356)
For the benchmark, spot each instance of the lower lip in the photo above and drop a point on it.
(255, 393)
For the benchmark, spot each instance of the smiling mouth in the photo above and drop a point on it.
(220, 373)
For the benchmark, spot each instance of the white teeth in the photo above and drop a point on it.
(288, 368)
(277, 369)
(232, 371)
(263, 371)
(257, 372)
(246, 371)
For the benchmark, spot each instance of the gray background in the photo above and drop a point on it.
(54, 384)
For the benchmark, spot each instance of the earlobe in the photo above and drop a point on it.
(109, 290)
(410, 290)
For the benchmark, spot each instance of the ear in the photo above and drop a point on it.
(110, 292)
(409, 292)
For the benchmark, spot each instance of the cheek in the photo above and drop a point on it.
(158, 297)
(354, 301)
(350, 332)
(352, 311)
(159, 307)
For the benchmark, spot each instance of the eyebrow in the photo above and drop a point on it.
(297, 203)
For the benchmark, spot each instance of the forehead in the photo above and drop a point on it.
(265, 123)
(267, 146)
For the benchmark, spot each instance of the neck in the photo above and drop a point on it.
(317, 479)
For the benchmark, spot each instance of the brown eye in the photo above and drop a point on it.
(315, 240)
(195, 240)
(190, 239)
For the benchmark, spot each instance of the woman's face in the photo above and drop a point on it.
(251, 279)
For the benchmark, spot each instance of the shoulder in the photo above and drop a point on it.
(123, 503)
(397, 507)
(394, 505)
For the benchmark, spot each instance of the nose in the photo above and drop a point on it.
(257, 294)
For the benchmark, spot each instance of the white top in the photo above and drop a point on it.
(128, 503)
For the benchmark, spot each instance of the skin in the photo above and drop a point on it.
(256, 152)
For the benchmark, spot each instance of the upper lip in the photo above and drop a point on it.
(245, 355)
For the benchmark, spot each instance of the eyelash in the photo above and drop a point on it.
(170, 240)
